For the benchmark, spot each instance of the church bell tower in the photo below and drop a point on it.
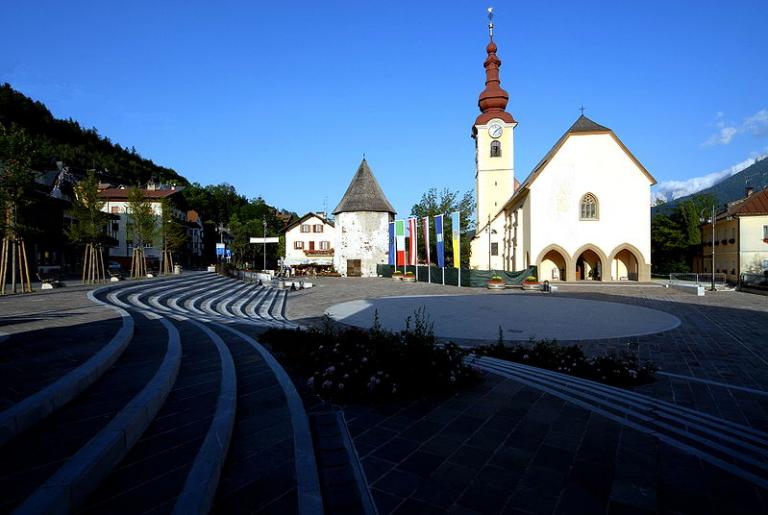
(493, 132)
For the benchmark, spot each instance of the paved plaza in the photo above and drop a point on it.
(175, 366)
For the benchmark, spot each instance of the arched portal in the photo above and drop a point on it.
(589, 266)
(554, 264)
(552, 267)
(627, 264)
(624, 266)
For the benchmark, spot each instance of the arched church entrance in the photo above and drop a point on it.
(552, 267)
(589, 266)
(627, 264)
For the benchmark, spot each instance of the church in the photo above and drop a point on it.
(583, 213)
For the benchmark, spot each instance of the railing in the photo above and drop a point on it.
(702, 279)
(757, 281)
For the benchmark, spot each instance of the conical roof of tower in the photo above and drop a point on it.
(493, 99)
(364, 194)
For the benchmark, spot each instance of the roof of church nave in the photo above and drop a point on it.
(581, 126)
(364, 194)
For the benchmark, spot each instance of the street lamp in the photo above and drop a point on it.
(712, 221)
(265, 246)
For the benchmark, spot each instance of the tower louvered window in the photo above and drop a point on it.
(495, 148)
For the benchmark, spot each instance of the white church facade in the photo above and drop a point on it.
(583, 213)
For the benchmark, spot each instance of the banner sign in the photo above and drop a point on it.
(391, 260)
(425, 230)
(412, 241)
(268, 239)
(400, 241)
(440, 247)
(455, 226)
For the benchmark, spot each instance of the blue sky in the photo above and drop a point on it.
(282, 102)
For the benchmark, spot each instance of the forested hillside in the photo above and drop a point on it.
(79, 148)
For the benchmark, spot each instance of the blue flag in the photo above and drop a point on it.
(391, 243)
(439, 238)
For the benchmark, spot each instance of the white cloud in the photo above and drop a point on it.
(670, 190)
(756, 124)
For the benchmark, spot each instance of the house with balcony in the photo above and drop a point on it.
(740, 244)
(310, 242)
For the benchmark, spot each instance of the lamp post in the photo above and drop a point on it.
(712, 221)
(265, 245)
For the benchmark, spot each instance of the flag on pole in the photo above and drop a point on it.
(440, 246)
(425, 230)
(455, 226)
(391, 260)
(400, 241)
(412, 241)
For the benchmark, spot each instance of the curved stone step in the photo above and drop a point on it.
(307, 480)
(66, 455)
(717, 445)
(153, 474)
(34, 408)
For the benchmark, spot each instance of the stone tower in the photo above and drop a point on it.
(493, 132)
(362, 226)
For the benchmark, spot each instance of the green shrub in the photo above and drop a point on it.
(353, 365)
(618, 369)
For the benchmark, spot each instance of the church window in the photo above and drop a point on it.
(495, 148)
(494, 249)
(589, 207)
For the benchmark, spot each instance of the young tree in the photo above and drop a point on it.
(171, 235)
(16, 179)
(141, 229)
(445, 201)
(88, 227)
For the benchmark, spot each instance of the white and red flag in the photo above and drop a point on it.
(412, 241)
(425, 231)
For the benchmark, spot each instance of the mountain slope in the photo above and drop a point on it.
(79, 148)
(727, 190)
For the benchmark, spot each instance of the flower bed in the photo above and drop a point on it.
(409, 277)
(397, 275)
(353, 365)
(619, 369)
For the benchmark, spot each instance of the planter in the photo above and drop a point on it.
(409, 278)
(532, 286)
(495, 285)
(397, 277)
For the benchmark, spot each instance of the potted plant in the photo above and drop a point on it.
(496, 283)
(397, 275)
(530, 283)
(409, 277)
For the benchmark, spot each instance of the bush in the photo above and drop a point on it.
(353, 365)
(618, 369)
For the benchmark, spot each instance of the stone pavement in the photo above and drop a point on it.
(506, 448)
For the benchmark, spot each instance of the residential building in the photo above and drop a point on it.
(310, 241)
(740, 241)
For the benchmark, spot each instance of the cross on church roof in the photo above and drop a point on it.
(582, 110)
(490, 22)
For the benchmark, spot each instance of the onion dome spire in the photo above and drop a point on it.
(493, 99)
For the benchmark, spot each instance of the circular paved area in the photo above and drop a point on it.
(521, 317)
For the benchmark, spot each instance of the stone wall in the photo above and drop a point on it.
(362, 235)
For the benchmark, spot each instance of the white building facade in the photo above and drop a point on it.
(310, 240)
